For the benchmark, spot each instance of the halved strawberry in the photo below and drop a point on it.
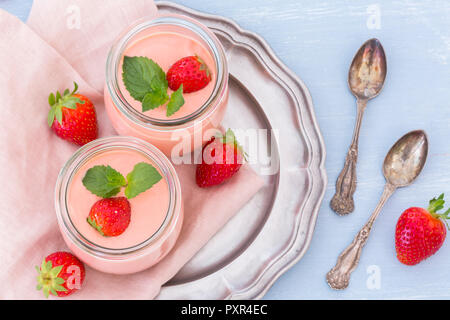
(191, 72)
(72, 117)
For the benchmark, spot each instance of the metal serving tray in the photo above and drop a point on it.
(273, 231)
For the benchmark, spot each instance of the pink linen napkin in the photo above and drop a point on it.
(82, 31)
(32, 155)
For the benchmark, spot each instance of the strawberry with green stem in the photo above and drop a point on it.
(420, 232)
(222, 157)
(72, 116)
(60, 274)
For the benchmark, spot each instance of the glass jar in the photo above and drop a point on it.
(111, 259)
(174, 136)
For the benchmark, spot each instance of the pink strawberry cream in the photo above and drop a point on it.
(156, 213)
(165, 40)
(159, 47)
(148, 209)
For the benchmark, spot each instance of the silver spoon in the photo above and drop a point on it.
(365, 79)
(402, 165)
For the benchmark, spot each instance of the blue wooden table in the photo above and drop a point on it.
(317, 40)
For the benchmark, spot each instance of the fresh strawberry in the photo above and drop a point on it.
(222, 157)
(420, 233)
(190, 71)
(110, 216)
(60, 274)
(72, 117)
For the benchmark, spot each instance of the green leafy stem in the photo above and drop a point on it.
(146, 82)
(58, 101)
(107, 182)
(437, 204)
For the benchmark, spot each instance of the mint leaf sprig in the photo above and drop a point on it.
(106, 182)
(146, 82)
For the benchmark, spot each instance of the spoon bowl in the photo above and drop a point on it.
(366, 79)
(368, 70)
(406, 158)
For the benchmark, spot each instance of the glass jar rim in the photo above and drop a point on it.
(85, 153)
(115, 55)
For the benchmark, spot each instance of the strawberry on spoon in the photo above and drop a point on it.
(72, 117)
(421, 232)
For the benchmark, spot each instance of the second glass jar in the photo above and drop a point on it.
(203, 111)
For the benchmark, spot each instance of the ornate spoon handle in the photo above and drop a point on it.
(348, 260)
(342, 202)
